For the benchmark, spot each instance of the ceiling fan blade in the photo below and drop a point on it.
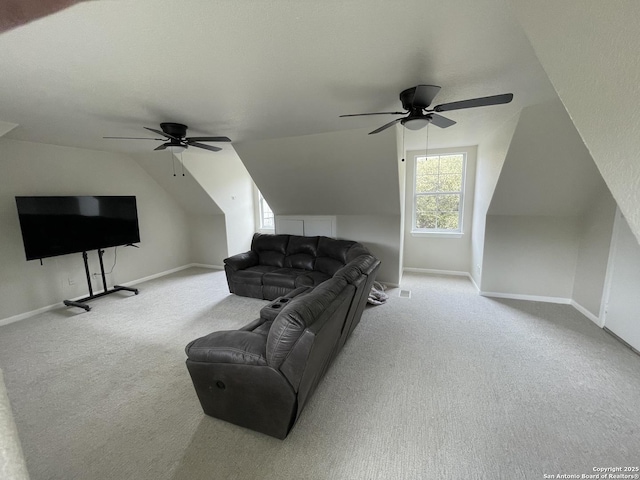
(385, 126)
(424, 95)
(206, 147)
(208, 139)
(475, 102)
(162, 147)
(377, 113)
(440, 121)
(137, 138)
(160, 132)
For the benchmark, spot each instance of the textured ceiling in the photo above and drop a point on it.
(254, 70)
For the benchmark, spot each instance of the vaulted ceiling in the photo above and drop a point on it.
(259, 70)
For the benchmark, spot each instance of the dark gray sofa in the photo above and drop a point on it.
(262, 375)
(278, 264)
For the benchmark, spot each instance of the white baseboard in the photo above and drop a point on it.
(431, 271)
(155, 275)
(48, 308)
(586, 313)
(538, 298)
(530, 298)
(474, 283)
(204, 265)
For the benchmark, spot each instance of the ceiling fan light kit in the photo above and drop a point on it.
(176, 148)
(176, 140)
(415, 123)
(416, 100)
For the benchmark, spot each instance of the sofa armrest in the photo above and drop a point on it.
(234, 346)
(271, 311)
(242, 260)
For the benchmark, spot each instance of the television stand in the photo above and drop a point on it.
(116, 288)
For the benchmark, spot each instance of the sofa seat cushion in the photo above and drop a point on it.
(253, 275)
(283, 277)
(236, 346)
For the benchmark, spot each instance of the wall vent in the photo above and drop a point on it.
(405, 294)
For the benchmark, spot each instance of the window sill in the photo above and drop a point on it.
(418, 233)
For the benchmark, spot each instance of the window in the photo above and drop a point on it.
(266, 214)
(438, 188)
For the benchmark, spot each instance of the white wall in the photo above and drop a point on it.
(530, 255)
(38, 169)
(208, 239)
(207, 228)
(589, 49)
(490, 157)
(548, 170)
(440, 252)
(337, 173)
(348, 174)
(593, 253)
(622, 315)
(226, 180)
(381, 235)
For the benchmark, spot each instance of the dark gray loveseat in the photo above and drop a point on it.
(262, 375)
(278, 264)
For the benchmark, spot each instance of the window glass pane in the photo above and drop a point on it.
(450, 183)
(426, 203)
(426, 183)
(266, 214)
(448, 203)
(425, 219)
(427, 165)
(438, 192)
(451, 164)
(448, 221)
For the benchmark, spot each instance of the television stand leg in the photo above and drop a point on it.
(71, 303)
(116, 288)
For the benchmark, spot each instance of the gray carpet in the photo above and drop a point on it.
(446, 384)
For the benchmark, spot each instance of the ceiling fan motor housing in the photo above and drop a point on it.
(406, 97)
(174, 129)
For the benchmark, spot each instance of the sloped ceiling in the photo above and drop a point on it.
(589, 49)
(258, 70)
(186, 190)
(339, 173)
(548, 170)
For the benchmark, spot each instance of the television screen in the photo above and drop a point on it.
(60, 225)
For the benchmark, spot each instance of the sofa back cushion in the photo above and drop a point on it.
(271, 249)
(301, 252)
(332, 254)
(301, 313)
(361, 265)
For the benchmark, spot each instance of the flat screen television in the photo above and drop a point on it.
(54, 226)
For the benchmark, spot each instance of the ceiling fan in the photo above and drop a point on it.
(176, 138)
(416, 100)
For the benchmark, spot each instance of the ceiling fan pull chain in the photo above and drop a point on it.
(426, 147)
(182, 162)
(173, 162)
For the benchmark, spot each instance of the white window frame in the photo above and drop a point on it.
(260, 202)
(435, 232)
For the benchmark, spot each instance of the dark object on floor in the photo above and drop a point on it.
(262, 375)
(278, 264)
